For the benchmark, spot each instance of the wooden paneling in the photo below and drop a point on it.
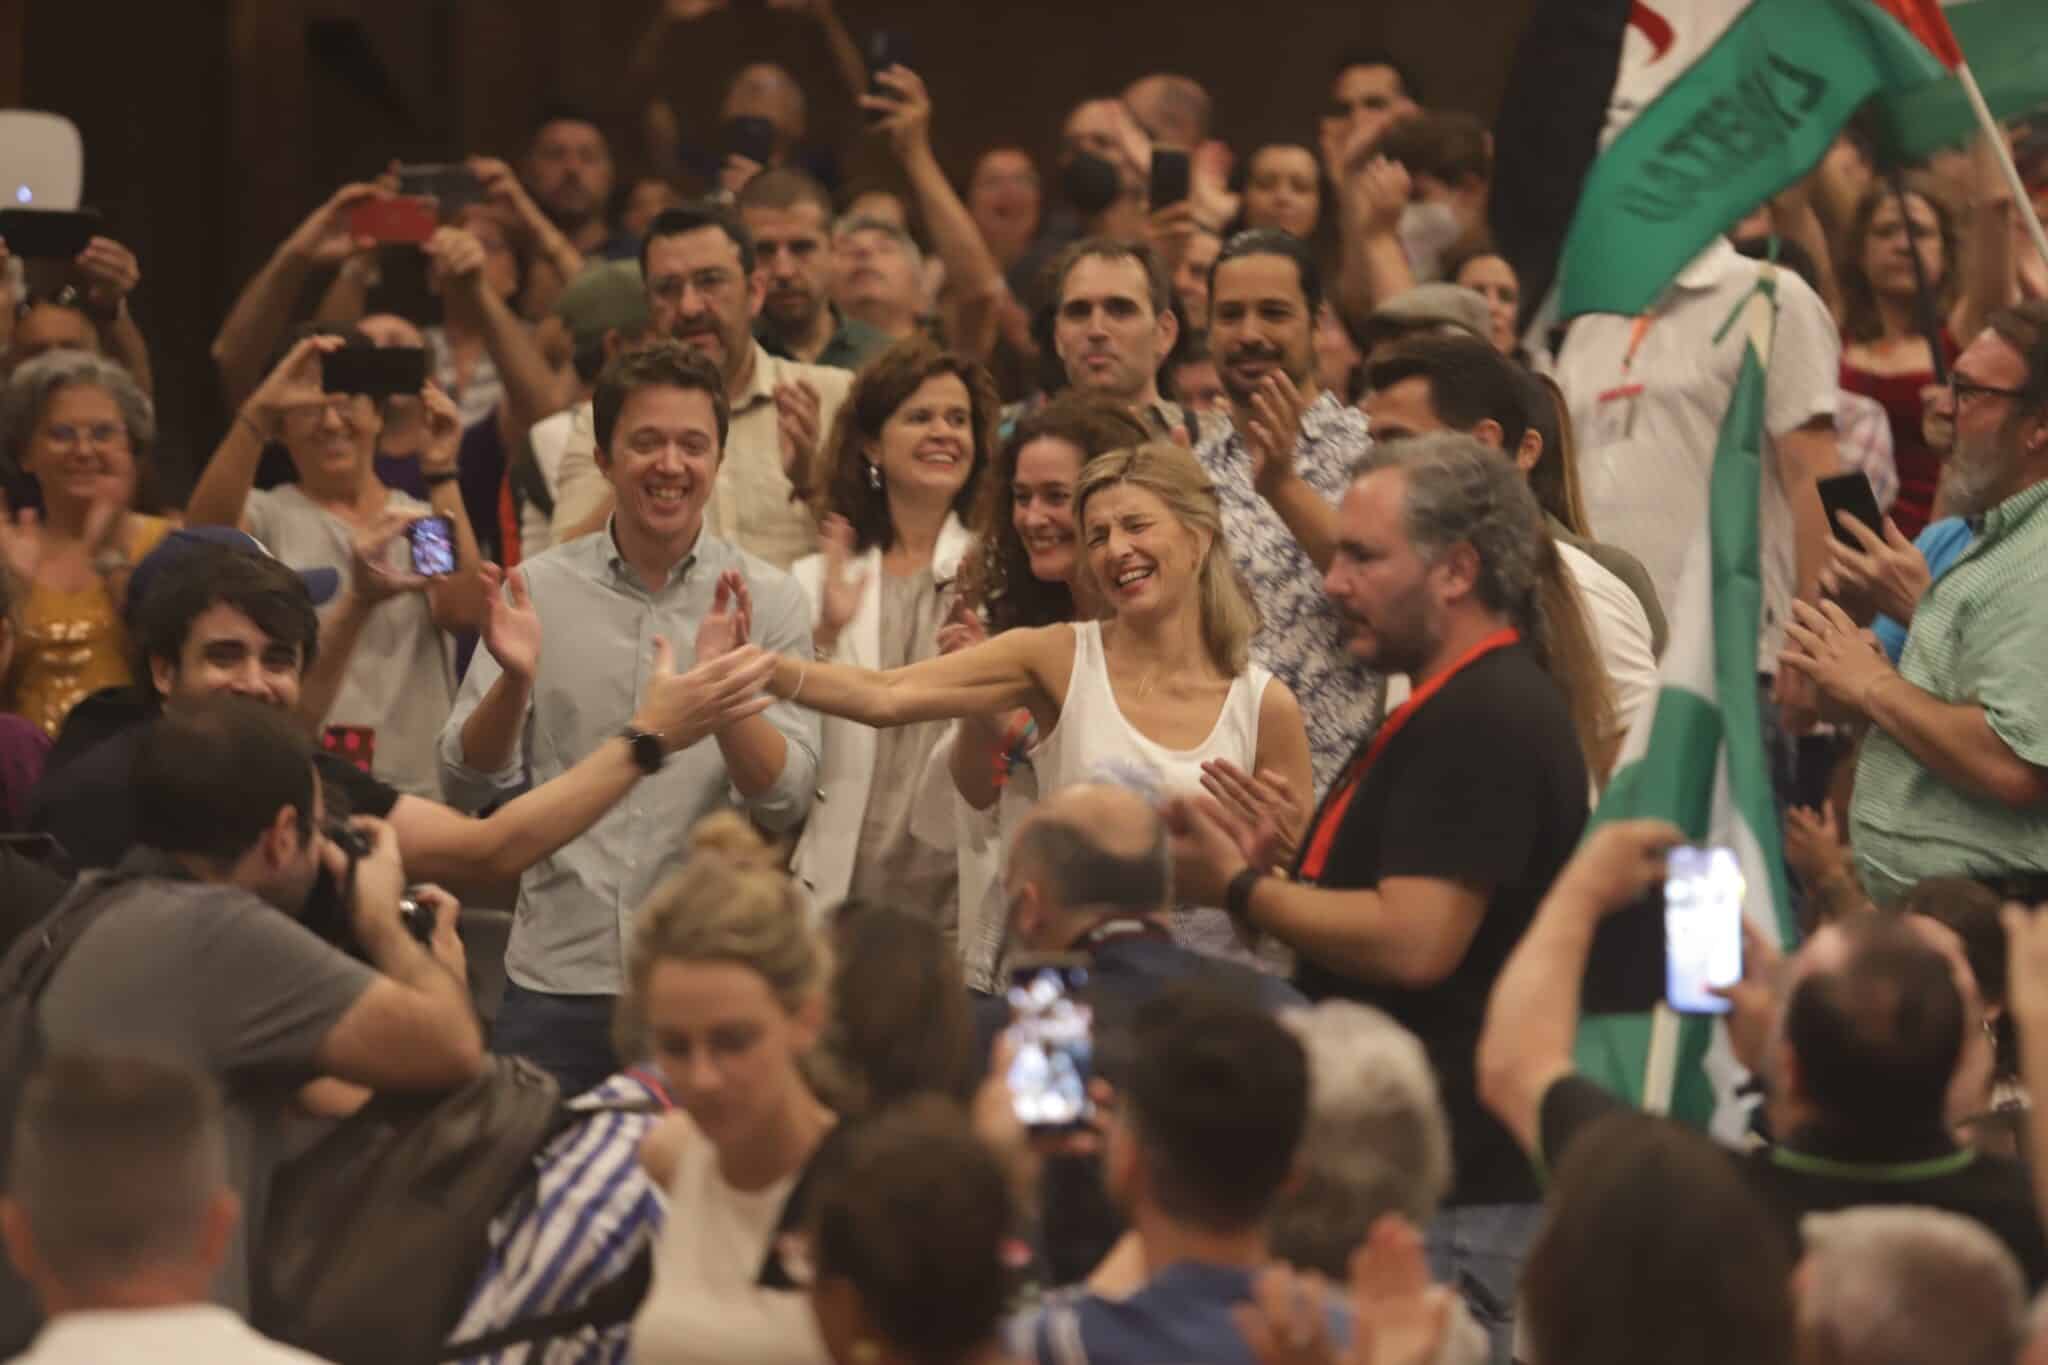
(210, 131)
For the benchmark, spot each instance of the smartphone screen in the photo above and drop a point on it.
(433, 546)
(48, 234)
(1850, 493)
(750, 137)
(1703, 890)
(1169, 176)
(1053, 1029)
(452, 187)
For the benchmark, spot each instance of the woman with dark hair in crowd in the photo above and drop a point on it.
(899, 1023)
(1654, 1248)
(1488, 274)
(81, 428)
(906, 457)
(1885, 352)
(1156, 694)
(1026, 570)
(726, 992)
(907, 1240)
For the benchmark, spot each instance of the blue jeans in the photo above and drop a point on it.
(1477, 1249)
(568, 1036)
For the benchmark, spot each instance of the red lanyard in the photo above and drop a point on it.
(1311, 866)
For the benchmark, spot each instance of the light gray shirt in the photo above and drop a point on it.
(598, 623)
(400, 679)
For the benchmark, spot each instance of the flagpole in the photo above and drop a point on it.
(1989, 123)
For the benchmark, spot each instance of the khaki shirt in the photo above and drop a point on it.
(750, 503)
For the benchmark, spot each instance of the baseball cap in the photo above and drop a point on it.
(1428, 305)
(603, 297)
(321, 584)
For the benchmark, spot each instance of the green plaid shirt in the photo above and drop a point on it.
(1978, 638)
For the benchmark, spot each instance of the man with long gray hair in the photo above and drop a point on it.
(1429, 855)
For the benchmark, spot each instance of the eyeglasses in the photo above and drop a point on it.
(1963, 390)
(99, 434)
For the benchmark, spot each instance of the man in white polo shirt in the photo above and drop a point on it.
(702, 290)
(1647, 397)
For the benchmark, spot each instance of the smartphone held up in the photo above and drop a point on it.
(1053, 1030)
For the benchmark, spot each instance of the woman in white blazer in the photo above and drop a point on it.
(904, 461)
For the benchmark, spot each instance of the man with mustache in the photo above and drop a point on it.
(1953, 775)
(1264, 293)
(702, 290)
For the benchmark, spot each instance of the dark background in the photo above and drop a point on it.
(212, 126)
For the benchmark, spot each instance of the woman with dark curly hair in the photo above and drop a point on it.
(906, 456)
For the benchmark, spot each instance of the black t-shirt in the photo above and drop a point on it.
(1808, 1175)
(89, 803)
(1485, 784)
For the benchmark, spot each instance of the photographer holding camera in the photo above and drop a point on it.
(188, 957)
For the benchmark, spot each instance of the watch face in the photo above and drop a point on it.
(646, 750)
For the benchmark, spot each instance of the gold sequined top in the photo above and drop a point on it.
(73, 643)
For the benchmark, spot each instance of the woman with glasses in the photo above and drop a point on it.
(78, 428)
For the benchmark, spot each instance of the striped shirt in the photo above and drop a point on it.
(574, 1230)
(1978, 638)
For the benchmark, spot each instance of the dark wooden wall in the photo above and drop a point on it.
(212, 126)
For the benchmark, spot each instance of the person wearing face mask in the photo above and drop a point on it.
(1408, 203)
(907, 453)
(1100, 182)
(703, 290)
(400, 680)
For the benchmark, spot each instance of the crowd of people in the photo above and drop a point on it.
(1229, 609)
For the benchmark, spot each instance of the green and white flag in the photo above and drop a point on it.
(1755, 111)
(1698, 759)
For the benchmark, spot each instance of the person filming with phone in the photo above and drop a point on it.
(195, 948)
(1860, 1040)
(324, 401)
(1442, 832)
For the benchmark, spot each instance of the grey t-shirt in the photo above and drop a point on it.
(401, 678)
(211, 976)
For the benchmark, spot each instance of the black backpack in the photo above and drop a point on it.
(25, 973)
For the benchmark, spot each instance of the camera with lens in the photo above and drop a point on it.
(327, 908)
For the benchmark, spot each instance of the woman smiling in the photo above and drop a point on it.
(1163, 688)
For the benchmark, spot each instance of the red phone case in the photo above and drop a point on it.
(400, 219)
(355, 744)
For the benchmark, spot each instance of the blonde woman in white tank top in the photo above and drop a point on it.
(1165, 683)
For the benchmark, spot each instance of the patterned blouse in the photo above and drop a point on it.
(1300, 637)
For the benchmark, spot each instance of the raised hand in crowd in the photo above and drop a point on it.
(1263, 812)
(1398, 1316)
(730, 622)
(1878, 576)
(684, 708)
(511, 626)
(264, 308)
(974, 292)
(842, 586)
(798, 429)
(546, 245)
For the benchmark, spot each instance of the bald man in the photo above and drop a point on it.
(1089, 874)
(765, 90)
(1089, 877)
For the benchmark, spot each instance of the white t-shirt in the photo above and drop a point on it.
(401, 679)
(1093, 742)
(194, 1334)
(1647, 400)
(705, 1307)
(549, 438)
(1621, 632)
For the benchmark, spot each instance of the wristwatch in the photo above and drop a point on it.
(434, 478)
(1237, 896)
(646, 748)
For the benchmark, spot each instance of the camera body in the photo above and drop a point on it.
(327, 909)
